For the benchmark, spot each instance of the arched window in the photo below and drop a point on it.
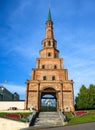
(44, 77)
(53, 77)
(49, 54)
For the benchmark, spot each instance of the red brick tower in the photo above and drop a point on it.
(49, 76)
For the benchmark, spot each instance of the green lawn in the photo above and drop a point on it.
(90, 117)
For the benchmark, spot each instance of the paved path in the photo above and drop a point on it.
(86, 126)
(6, 124)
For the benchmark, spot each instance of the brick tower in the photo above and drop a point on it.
(49, 76)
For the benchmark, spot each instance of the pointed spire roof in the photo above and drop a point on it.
(49, 16)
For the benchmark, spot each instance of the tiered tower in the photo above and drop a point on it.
(49, 76)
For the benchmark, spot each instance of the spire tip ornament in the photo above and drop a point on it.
(49, 15)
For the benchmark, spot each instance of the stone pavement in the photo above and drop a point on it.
(6, 124)
(48, 119)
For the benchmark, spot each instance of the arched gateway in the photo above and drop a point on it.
(49, 87)
(48, 99)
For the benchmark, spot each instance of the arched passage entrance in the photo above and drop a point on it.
(48, 99)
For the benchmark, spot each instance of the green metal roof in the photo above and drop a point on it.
(49, 16)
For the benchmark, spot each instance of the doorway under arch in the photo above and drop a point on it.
(49, 100)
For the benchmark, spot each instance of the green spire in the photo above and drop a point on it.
(49, 16)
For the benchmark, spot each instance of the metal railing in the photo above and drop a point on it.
(32, 118)
(62, 117)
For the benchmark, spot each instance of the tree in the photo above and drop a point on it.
(91, 96)
(82, 98)
(86, 97)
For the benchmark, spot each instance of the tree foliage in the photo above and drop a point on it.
(86, 97)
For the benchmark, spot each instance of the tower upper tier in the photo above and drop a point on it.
(49, 43)
(49, 27)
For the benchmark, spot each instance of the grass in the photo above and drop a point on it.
(72, 120)
(2, 114)
(90, 117)
(24, 115)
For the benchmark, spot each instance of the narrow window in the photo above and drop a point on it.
(43, 66)
(49, 54)
(44, 77)
(55, 55)
(49, 43)
(53, 45)
(44, 44)
(53, 77)
(55, 67)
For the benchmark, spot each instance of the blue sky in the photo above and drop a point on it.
(22, 28)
